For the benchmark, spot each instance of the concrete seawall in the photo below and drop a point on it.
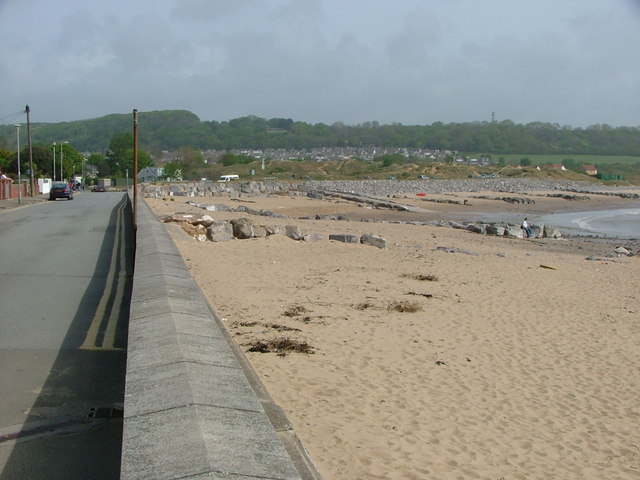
(193, 406)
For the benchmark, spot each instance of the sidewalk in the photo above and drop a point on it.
(25, 201)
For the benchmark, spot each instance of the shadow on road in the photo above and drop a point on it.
(74, 428)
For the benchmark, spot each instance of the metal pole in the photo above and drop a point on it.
(54, 162)
(61, 158)
(19, 174)
(135, 169)
(27, 110)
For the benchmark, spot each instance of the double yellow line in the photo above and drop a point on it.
(113, 294)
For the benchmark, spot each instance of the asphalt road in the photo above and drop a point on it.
(65, 283)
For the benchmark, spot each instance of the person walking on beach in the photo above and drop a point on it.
(526, 230)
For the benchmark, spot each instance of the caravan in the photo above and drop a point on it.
(228, 178)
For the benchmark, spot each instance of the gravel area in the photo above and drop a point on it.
(378, 188)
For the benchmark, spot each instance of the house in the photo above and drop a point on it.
(556, 166)
(589, 169)
(150, 174)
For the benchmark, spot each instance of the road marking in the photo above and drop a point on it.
(110, 299)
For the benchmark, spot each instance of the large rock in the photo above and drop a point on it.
(293, 232)
(242, 228)
(622, 251)
(493, 229)
(220, 232)
(342, 237)
(513, 231)
(274, 230)
(217, 208)
(260, 231)
(315, 237)
(374, 240)
(476, 228)
(457, 225)
(551, 232)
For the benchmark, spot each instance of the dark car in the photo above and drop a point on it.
(60, 190)
(98, 188)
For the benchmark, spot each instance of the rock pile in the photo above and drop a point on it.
(206, 228)
(505, 229)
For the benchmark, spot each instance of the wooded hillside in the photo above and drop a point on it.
(172, 129)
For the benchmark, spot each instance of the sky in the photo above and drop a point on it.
(571, 62)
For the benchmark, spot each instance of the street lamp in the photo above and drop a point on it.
(54, 163)
(17, 125)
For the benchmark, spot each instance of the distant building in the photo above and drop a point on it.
(555, 166)
(589, 169)
(150, 174)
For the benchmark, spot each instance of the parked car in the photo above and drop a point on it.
(98, 188)
(60, 190)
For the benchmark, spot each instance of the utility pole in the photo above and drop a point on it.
(27, 110)
(19, 175)
(54, 163)
(135, 169)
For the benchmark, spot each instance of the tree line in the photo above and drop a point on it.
(170, 130)
(63, 160)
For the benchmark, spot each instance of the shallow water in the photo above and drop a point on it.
(618, 223)
(610, 223)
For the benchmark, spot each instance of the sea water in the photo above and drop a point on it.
(618, 223)
(612, 223)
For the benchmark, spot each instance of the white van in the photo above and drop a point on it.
(228, 178)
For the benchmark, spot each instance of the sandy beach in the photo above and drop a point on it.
(445, 355)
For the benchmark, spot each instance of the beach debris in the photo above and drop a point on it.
(245, 324)
(281, 328)
(425, 295)
(454, 250)
(605, 259)
(280, 345)
(364, 306)
(196, 231)
(295, 311)
(405, 306)
(421, 277)
(548, 267)
(440, 362)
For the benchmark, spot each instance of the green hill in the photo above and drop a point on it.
(171, 129)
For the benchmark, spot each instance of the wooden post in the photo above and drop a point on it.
(135, 169)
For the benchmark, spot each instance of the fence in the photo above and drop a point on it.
(12, 190)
